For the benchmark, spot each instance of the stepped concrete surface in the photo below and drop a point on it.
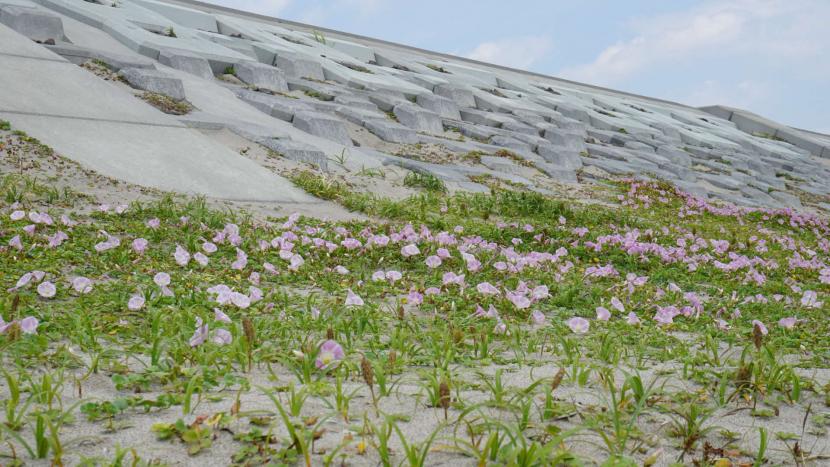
(112, 132)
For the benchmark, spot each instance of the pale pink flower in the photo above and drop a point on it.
(352, 299)
(433, 261)
(209, 247)
(486, 288)
(16, 243)
(810, 300)
(578, 325)
(330, 354)
(181, 256)
(136, 302)
(500, 327)
(200, 258)
(241, 260)
(721, 324)
(617, 304)
(341, 270)
(139, 245)
(200, 335)
(378, 276)
(240, 300)
(220, 316)
(17, 215)
(761, 327)
(518, 300)
(632, 319)
(393, 276)
(28, 325)
(222, 337)
(162, 279)
(538, 318)
(82, 285)
(788, 323)
(540, 292)
(296, 262)
(153, 223)
(46, 289)
(410, 250)
(603, 314)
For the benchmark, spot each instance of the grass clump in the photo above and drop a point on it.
(428, 182)
(167, 104)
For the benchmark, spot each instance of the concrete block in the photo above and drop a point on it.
(418, 118)
(324, 126)
(296, 151)
(33, 23)
(154, 81)
(444, 107)
(390, 131)
(261, 76)
(560, 156)
(462, 96)
(296, 67)
(187, 62)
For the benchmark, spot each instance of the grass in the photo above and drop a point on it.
(419, 369)
(428, 182)
(167, 104)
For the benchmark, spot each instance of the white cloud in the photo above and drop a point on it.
(768, 30)
(744, 94)
(263, 7)
(517, 52)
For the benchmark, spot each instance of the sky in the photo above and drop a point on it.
(771, 57)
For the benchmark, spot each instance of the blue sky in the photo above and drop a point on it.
(771, 57)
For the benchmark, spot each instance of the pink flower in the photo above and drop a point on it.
(28, 325)
(486, 288)
(241, 260)
(181, 256)
(761, 327)
(433, 261)
(17, 215)
(295, 262)
(410, 250)
(617, 304)
(603, 314)
(721, 324)
(518, 300)
(200, 335)
(632, 319)
(415, 297)
(539, 293)
(16, 243)
(200, 258)
(341, 270)
(162, 279)
(788, 323)
(139, 245)
(153, 223)
(23, 280)
(538, 318)
(136, 302)
(110, 243)
(220, 316)
(209, 247)
(809, 300)
(330, 353)
(393, 276)
(500, 327)
(352, 299)
(578, 325)
(46, 289)
(378, 276)
(82, 285)
(222, 337)
(240, 300)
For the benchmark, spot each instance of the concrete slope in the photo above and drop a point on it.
(108, 130)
